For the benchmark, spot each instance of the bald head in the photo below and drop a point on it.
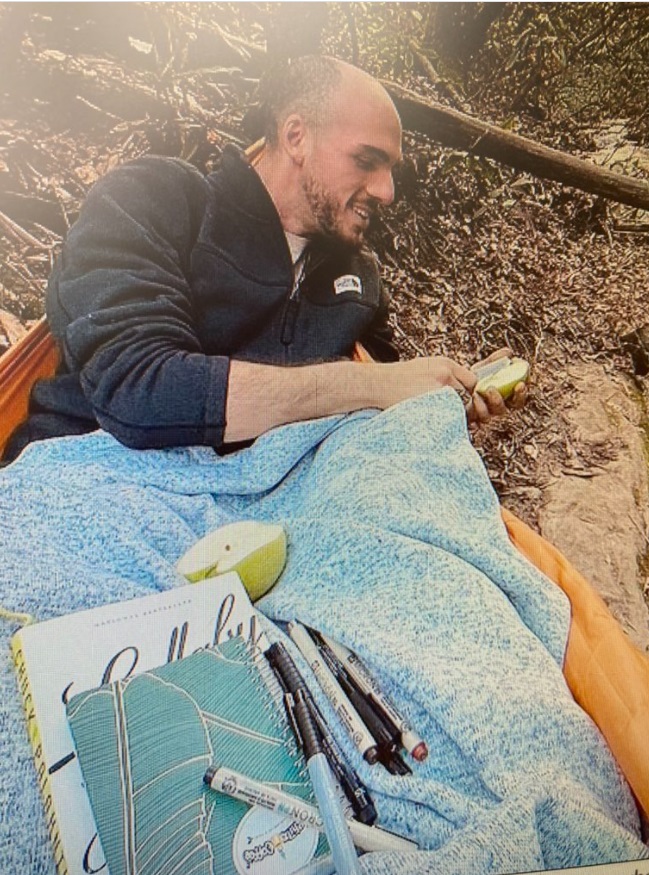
(319, 88)
(333, 137)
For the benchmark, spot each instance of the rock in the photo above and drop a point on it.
(595, 510)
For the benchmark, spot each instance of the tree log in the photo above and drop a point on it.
(458, 130)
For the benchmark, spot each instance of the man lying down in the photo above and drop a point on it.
(180, 304)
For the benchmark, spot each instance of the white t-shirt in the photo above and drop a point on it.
(297, 245)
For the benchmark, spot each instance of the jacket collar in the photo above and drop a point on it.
(249, 194)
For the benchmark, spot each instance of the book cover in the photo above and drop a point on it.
(59, 658)
(144, 745)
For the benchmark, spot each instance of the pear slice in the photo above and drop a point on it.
(486, 369)
(255, 550)
(504, 379)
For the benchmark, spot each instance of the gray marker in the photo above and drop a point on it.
(361, 676)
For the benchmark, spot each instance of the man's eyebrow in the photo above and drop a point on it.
(379, 155)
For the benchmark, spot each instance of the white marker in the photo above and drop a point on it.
(361, 676)
(358, 732)
(367, 838)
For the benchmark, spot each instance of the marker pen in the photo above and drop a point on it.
(346, 776)
(378, 722)
(342, 706)
(394, 763)
(361, 676)
(291, 680)
(254, 792)
(335, 826)
(366, 838)
(386, 735)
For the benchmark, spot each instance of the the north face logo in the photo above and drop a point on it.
(348, 283)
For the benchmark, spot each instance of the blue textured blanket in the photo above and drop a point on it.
(396, 548)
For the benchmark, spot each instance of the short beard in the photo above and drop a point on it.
(325, 210)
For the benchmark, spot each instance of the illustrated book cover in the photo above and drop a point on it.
(58, 658)
(145, 743)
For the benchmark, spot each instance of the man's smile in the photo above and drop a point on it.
(361, 212)
(364, 211)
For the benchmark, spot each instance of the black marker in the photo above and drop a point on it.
(291, 681)
(352, 785)
(360, 675)
(347, 714)
(322, 779)
(383, 734)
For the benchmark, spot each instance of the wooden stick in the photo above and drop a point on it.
(458, 130)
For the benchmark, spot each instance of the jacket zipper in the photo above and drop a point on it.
(312, 259)
(290, 316)
(293, 305)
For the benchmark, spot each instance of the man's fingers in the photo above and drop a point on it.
(518, 397)
(465, 378)
(484, 406)
(494, 402)
(494, 356)
(477, 410)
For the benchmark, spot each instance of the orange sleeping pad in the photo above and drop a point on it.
(606, 673)
(36, 355)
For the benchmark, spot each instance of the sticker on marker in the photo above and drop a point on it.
(269, 843)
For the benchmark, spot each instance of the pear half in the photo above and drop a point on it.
(505, 378)
(255, 550)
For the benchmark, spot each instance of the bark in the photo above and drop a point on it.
(458, 130)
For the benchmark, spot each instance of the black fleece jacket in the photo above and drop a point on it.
(168, 275)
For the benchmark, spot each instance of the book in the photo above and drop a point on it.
(58, 658)
(145, 743)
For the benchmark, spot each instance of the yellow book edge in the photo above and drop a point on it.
(34, 735)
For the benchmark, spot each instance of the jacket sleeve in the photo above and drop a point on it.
(120, 304)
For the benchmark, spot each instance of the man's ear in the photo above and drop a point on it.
(294, 137)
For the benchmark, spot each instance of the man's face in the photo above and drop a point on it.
(347, 174)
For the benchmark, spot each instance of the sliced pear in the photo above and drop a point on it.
(486, 369)
(505, 378)
(255, 550)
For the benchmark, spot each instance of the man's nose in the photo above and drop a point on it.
(381, 186)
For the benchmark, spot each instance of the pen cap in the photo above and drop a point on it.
(307, 725)
(280, 659)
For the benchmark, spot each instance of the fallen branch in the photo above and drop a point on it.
(426, 65)
(98, 82)
(18, 232)
(458, 130)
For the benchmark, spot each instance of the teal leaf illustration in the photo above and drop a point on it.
(145, 743)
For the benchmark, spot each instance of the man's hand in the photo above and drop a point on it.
(481, 408)
(261, 397)
(400, 380)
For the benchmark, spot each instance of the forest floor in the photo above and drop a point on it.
(476, 255)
